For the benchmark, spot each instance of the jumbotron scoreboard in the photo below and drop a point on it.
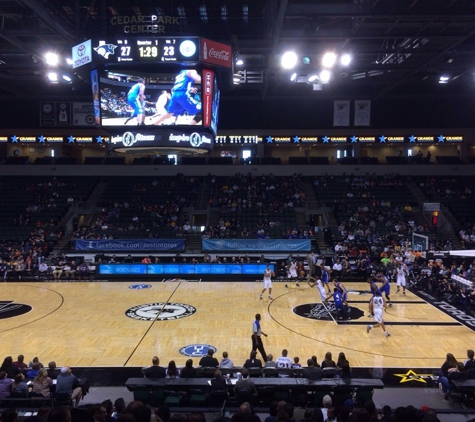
(171, 73)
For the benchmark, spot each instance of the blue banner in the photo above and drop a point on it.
(131, 245)
(257, 245)
(173, 269)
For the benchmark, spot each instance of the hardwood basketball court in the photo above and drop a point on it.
(85, 324)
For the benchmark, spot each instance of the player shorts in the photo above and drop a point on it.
(401, 281)
(181, 102)
(136, 104)
(378, 315)
(267, 284)
(386, 289)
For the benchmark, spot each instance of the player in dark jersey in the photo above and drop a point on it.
(344, 294)
(385, 287)
(325, 277)
(338, 301)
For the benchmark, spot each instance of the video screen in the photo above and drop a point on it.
(215, 107)
(132, 98)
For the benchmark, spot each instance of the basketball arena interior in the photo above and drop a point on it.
(170, 170)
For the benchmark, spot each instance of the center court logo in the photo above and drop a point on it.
(10, 309)
(323, 313)
(197, 350)
(160, 311)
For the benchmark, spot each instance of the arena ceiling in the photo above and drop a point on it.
(400, 48)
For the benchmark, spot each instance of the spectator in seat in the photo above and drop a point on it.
(470, 362)
(284, 361)
(270, 361)
(188, 371)
(155, 371)
(98, 413)
(68, 383)
(5, 385)
(218, 383)
(33, 371)
(83, 270)
(57, 271)
(209, 361)
(226, 362)
(253, 362)
(172, 370)
(10, 369)
(245, 383)
(70, 270)
(311, 372)
(42, 383)
(52, 370)
(20, 363)
(43, 269)
(19, 387)
(35, 360)
(328, 362)
(456, 373)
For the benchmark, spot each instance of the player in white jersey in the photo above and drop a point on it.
(292, 273)
(321, 290)
(378, 304)
(401, 274)
(268, 274)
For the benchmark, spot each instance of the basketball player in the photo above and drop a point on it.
(320, 288)
(378, 303)
(325, 277)
(338, 301)
(183, 97)
(385, 287)
(292, 273)
(160, 107)
(268, 274)
(374, 290)
(136, 99)
(344, 294)
(401, 273)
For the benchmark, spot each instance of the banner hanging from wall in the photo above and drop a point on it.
(341, 113)
(117, 245)
(362, 113)
(269, 245)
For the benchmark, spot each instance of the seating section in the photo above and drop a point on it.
(40, 206)
(256, 207)
(142, 207)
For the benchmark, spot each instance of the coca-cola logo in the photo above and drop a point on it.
(221, 55)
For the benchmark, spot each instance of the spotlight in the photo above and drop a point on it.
(289, 60)
(67, 78)
(312, 78)
(325, 76)
(52, 76)
(239, 62)
(329, 59)
(444, 79)
(52, 59)
(345, 60)
(69, 61)
(293, 76)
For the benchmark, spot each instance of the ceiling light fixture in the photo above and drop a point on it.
(289, 60)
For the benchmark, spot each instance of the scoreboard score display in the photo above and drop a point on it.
(148, 50)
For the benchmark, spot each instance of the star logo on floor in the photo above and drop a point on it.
(410, 375)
